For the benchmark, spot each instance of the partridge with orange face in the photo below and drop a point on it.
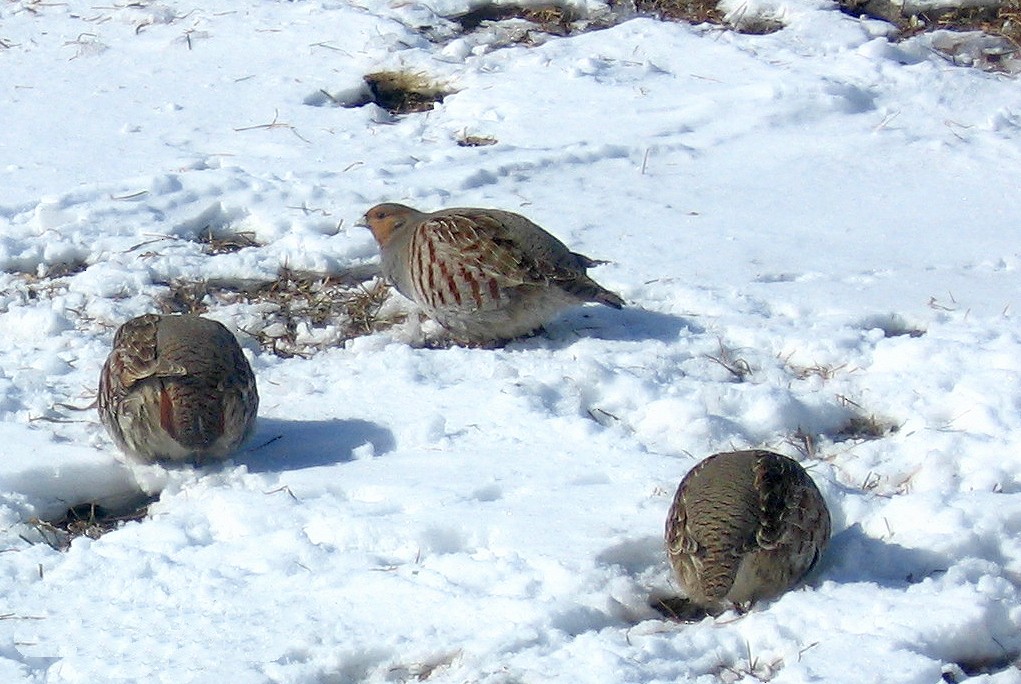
(177, 389)
(483, 274)
(745, 526)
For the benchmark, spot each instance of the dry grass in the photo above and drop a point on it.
(404, 92)
(727, 357)
(87, 520)
(352, 301)
(63, 269)
(552, 19)
(691, 11)
(753, 668)
(707, 12)
(863, 425)
(824, 371)
(803, 442)
(225, 243)
(44, 282)
(466, 140)
(1004, 19)
(318, 301)
(186, 296)
(424, 670)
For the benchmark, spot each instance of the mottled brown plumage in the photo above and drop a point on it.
(177, 389)
(483, 274)
(744, 526)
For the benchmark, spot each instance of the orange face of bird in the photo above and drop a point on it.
(384, 219)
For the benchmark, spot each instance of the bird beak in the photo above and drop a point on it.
(363, 222)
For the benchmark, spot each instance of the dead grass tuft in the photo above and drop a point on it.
(225, 242)
(753, 668)
(824, 371)
(691, 11)
(863, 425)
(424, 670)
(43, 272)
(803, 442)
(404, 92)
(708, 12)
(64, 269)
(475, 140)
(299, 302)
(87, 520)
(735, 365)
(1001, 19)
(45, 281)
(552, 19)
(185, 297)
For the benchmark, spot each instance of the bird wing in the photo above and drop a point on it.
(789, 502)
(485, 242)
(481, 244)
(137, 353)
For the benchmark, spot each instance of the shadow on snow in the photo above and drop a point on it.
(280, 445)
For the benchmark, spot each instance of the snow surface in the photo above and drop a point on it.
(814, 229)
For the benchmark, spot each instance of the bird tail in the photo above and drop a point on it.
(611, 299)
(588, 290)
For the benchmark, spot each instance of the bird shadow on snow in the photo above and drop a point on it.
(631, 323)
(853, 556)
(296, 444)
(635, 556)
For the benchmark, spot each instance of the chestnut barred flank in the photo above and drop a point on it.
(483, 274)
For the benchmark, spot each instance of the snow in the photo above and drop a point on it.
(814, 229)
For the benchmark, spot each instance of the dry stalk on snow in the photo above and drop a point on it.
(737, 366)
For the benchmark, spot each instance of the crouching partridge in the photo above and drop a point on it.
(483, 274)
(744, 526)
(177, 389)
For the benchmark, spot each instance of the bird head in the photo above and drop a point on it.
(386, 219)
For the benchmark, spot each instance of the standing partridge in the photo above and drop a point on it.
(177, 389)
(483, 274)
(744, 526)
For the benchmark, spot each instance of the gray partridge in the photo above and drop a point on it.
(177, 389)
(744, 526)
(483, 274)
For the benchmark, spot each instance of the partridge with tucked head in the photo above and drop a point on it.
(177, 389)
(483, 274)
(744, 526)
